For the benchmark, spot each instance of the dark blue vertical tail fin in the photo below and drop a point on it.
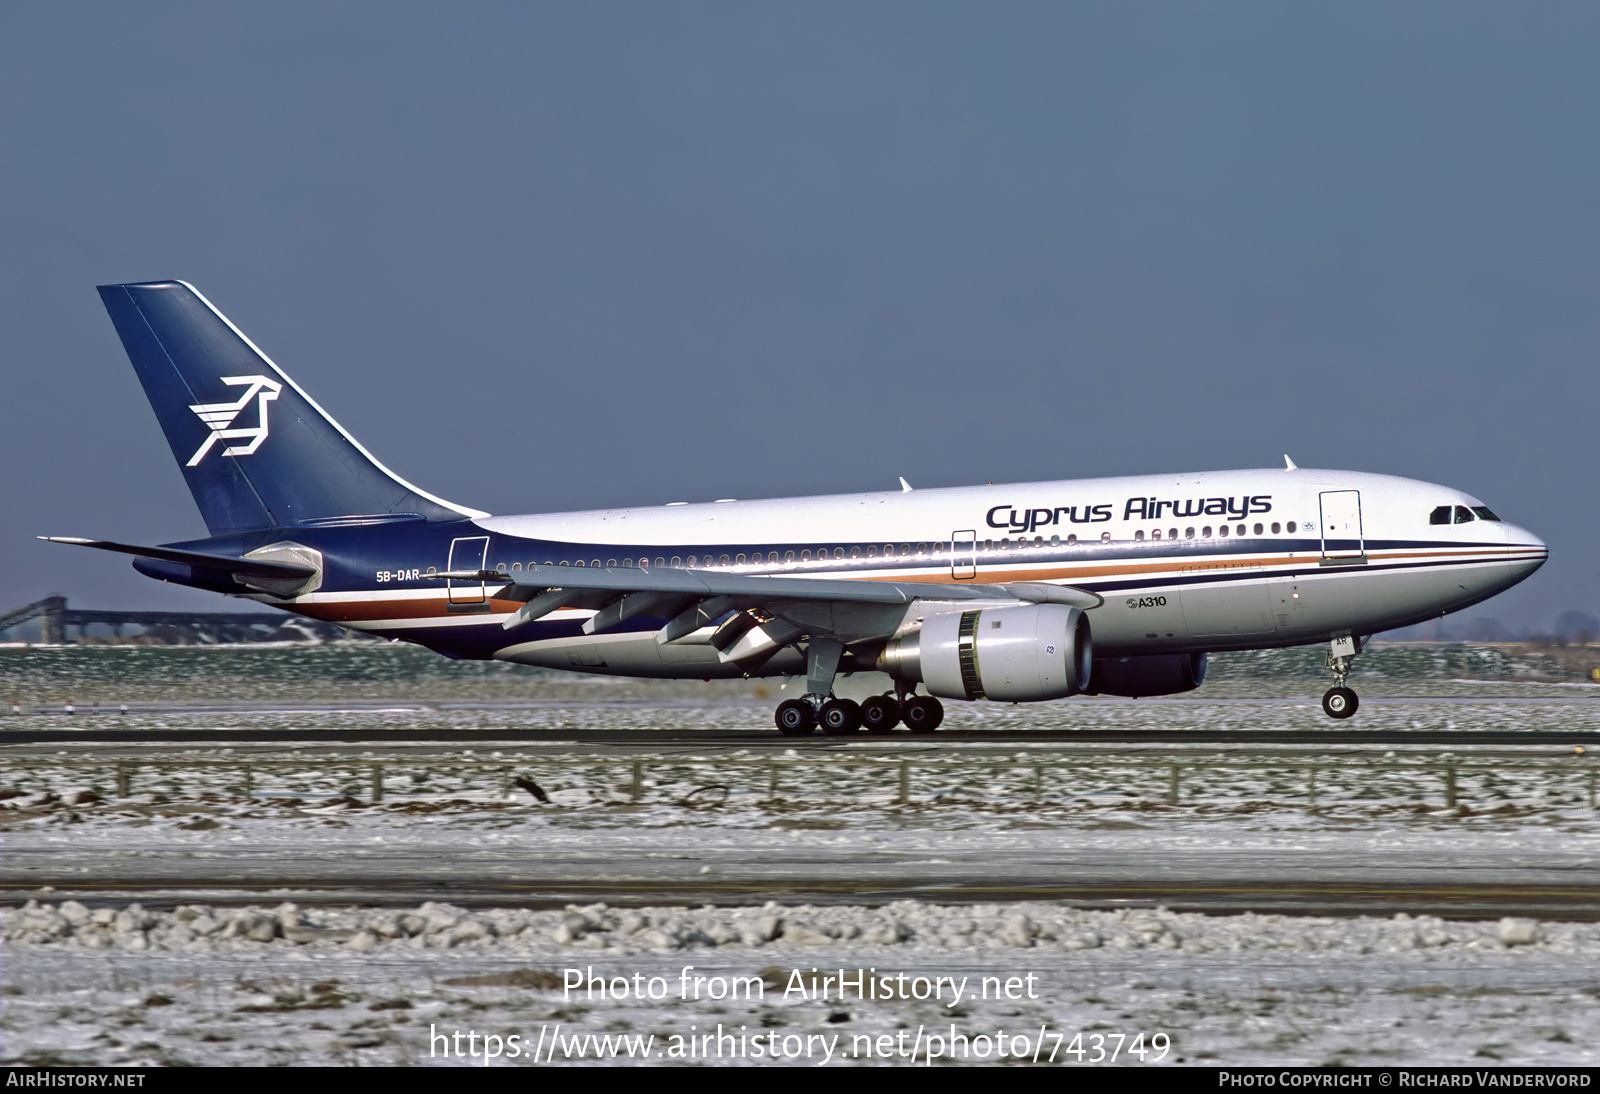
(256, 450)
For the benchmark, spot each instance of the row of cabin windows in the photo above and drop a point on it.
(1460, 514)
(922, 549)
(1222, 531)
(754, 559)
(906, 549)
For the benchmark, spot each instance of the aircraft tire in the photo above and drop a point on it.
(923, 714)
(880, 714)
(1340, 702)
(840, 716)
(795, 718)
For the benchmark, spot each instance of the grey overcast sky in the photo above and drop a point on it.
(547, 256)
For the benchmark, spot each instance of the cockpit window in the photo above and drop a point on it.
(1484, 513)
(1464, 515)
(1440, 515)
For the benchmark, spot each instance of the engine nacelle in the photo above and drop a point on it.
(1156, 674)
(1017, 654)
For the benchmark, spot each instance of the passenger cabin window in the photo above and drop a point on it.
(1464, 515)
(1072, 541)
(725, 559)
(1055, 541)
(1139, 536)
(1484, 513)
(855, 552)
(1188, 533)
(1276, 528)
(1441, 515)
(1223, 531)
(1289, 527)
(1105, 537)
(1258, 530)
(1205, 532)
(788, 556)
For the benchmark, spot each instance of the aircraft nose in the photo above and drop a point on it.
(1518, 536)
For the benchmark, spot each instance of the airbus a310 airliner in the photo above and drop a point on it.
(1017, 593)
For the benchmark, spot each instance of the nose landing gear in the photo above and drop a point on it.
(1339, 701)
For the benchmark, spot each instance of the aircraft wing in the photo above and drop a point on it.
(768, 612)
(707, 583)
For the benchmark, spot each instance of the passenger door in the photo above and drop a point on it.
(1342, 541)
(468, 553)
(964, 555)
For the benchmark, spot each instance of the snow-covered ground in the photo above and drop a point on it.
(107, 982)
(275, 985)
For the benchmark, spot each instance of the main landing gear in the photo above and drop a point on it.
(877, 715)
(1339, 701)
(837, 717)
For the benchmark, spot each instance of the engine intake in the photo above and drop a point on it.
(1021, 654)
(1157, 674)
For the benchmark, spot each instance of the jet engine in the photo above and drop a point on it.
(1016, 654)
(1156, 674)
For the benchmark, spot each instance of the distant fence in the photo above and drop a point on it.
(1305, 782)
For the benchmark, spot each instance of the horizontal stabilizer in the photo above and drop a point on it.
(246, 566)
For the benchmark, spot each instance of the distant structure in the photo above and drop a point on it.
(57, 622)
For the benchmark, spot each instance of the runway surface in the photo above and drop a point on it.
(1244, 738)
(1473, 878)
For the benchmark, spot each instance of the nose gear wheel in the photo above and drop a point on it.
(1340, 702)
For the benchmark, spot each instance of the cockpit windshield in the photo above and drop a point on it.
(1460, 514)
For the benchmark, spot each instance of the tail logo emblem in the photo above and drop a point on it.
(219, 417)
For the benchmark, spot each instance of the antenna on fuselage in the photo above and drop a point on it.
(905, 487)
(1288, 464)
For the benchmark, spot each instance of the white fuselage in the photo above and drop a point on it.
(1185, 562)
